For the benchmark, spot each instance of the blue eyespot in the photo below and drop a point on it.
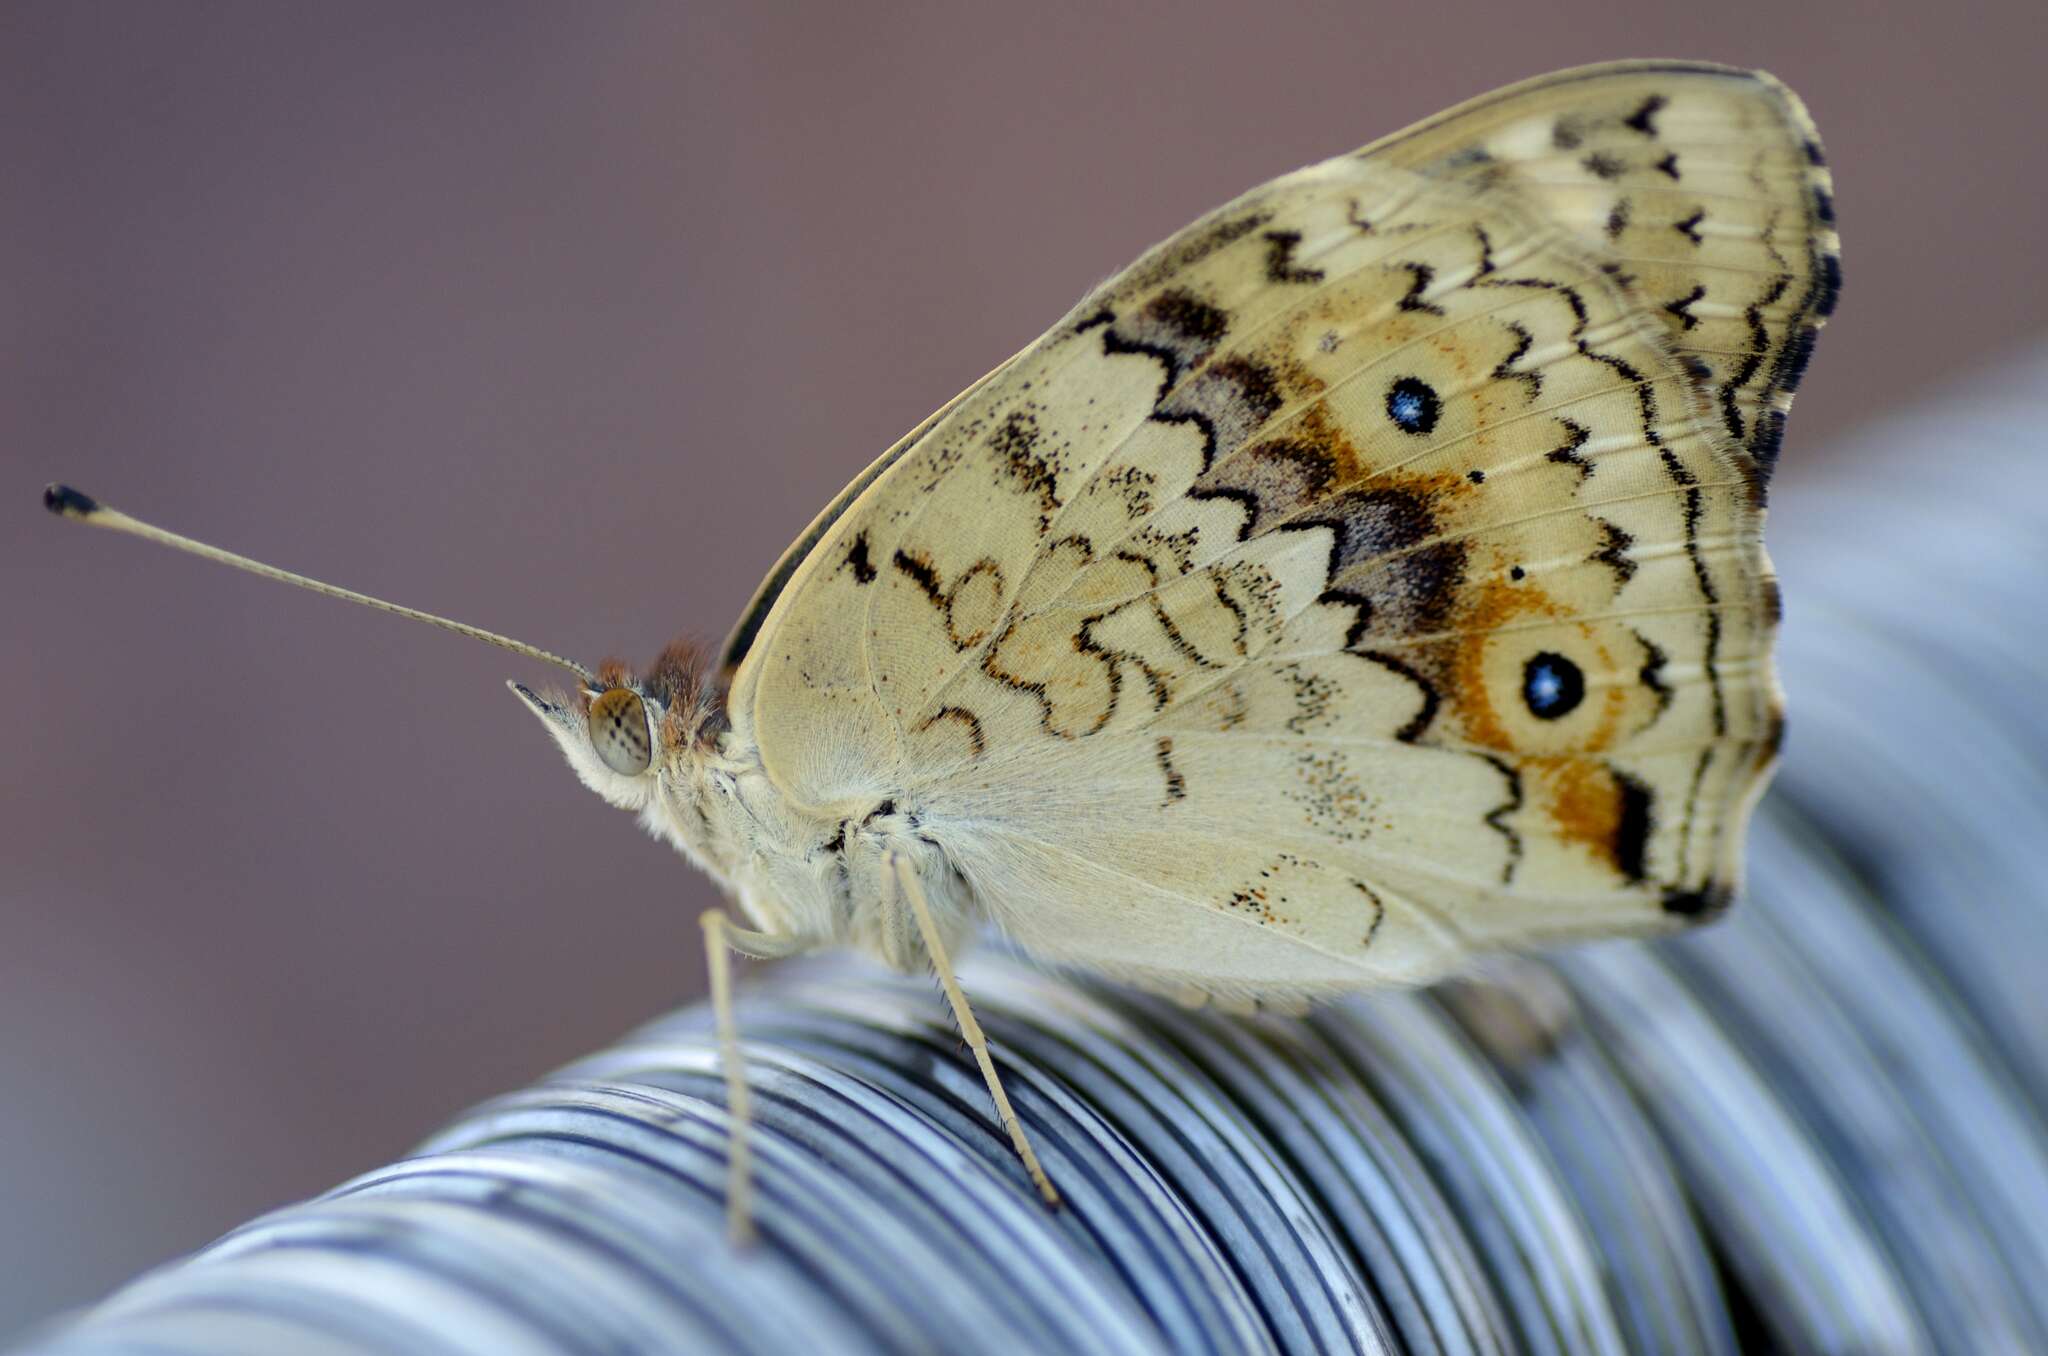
(1413, 405)
(1552, 686)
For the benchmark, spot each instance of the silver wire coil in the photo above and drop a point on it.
(1816, 1126)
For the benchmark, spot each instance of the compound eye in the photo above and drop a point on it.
(618, 730)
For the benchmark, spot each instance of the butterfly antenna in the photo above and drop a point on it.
(66, 502)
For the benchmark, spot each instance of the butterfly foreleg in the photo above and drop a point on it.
(721, 939)
(899, 873)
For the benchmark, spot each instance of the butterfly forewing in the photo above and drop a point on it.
(1706, 187)
(1365, 576)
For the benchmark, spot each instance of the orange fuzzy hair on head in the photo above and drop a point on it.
(680, 681)
(686, 685)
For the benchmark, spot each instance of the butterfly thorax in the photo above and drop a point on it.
(813, 876)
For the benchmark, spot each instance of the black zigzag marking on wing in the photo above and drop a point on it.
(1576, 434)
(1085, 644)
(1176, 784)
(1181, 644)
(1682, 308)
(1189, 391)
(1241, 642)
(1816, 303)
(1695, 507)
(1420, 277)
(1652, 672)
(1180, 314)
(1523, 340)
(1613, 552)
(857, 560)
(920, 573)
(1113, 660)
(1244, 499)
(918, 569)
(1419, 724)
(1567, 452)
(1034, 690)
(1642, 119)
(1759, 346)
(1361, 613)
(1280, 265)
(1256, 389)
(1496, 818)
(1646, 396)
(1646, 401)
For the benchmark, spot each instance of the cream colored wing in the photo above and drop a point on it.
(1705, 187)
(1370, 574)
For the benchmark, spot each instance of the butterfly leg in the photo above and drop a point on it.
(898, 869)
(721, 939)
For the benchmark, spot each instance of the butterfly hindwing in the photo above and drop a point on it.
(1363, 577)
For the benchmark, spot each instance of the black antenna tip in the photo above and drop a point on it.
(66, 502)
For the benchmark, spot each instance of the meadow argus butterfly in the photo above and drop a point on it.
(1369, 576)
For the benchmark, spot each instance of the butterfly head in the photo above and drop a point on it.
(619, 730)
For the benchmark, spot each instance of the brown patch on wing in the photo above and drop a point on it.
(1288, 473)
(1371, 521)
(1592, 805)
(1584, 801)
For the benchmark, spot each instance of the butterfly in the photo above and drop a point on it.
(1369, 577)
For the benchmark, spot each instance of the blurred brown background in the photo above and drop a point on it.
(563, 320)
